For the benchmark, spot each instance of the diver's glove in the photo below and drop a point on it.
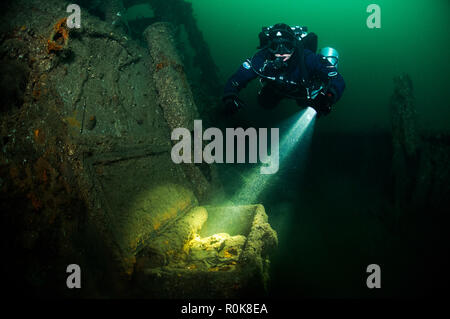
(324, 103)
(232, 104)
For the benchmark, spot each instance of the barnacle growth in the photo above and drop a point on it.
(59, 37)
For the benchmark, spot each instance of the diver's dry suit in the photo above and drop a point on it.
(297, 78)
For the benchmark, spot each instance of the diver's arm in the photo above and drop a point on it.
(243, 75)
(238, 81)
(336, 87)
(336, 84)
(235, 83)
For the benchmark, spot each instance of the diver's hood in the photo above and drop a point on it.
(282, 39)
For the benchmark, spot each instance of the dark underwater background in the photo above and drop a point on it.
(371, 184)
(334, 208)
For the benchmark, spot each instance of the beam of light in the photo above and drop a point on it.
(299, 135)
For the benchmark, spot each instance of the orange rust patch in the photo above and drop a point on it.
(156, 225)
(39, 136)
(161, 65)
(53, 46)
(59, 36)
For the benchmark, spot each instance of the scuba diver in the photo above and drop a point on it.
(288, 67)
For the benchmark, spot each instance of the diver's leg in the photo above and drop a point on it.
(268, 98)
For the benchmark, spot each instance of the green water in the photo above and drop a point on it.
(327, 203)
(413, 38)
